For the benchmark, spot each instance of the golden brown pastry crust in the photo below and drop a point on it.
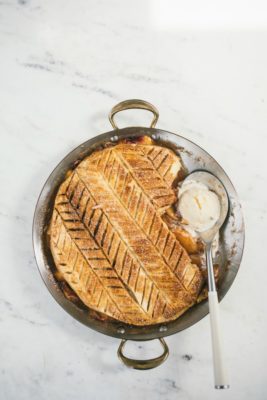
(110, 242)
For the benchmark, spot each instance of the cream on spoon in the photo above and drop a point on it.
(199, 208)
(198, 205)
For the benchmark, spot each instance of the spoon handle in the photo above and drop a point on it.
(220, 376)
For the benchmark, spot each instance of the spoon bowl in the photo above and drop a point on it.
(214, 185)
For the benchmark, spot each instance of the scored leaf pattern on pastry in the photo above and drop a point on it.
(110, 243)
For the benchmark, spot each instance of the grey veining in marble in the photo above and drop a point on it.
(63, 66)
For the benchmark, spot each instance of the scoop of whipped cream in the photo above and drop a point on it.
(199, 207)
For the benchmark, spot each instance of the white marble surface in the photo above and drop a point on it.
(63, 65)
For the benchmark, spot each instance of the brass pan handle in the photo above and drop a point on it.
(133, 104)
(143, 364)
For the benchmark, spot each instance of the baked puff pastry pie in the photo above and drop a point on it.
(111, 242)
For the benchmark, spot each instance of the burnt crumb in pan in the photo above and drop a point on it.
(68, 292)
(138, 140)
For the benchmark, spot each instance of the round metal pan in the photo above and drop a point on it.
(194, 158)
